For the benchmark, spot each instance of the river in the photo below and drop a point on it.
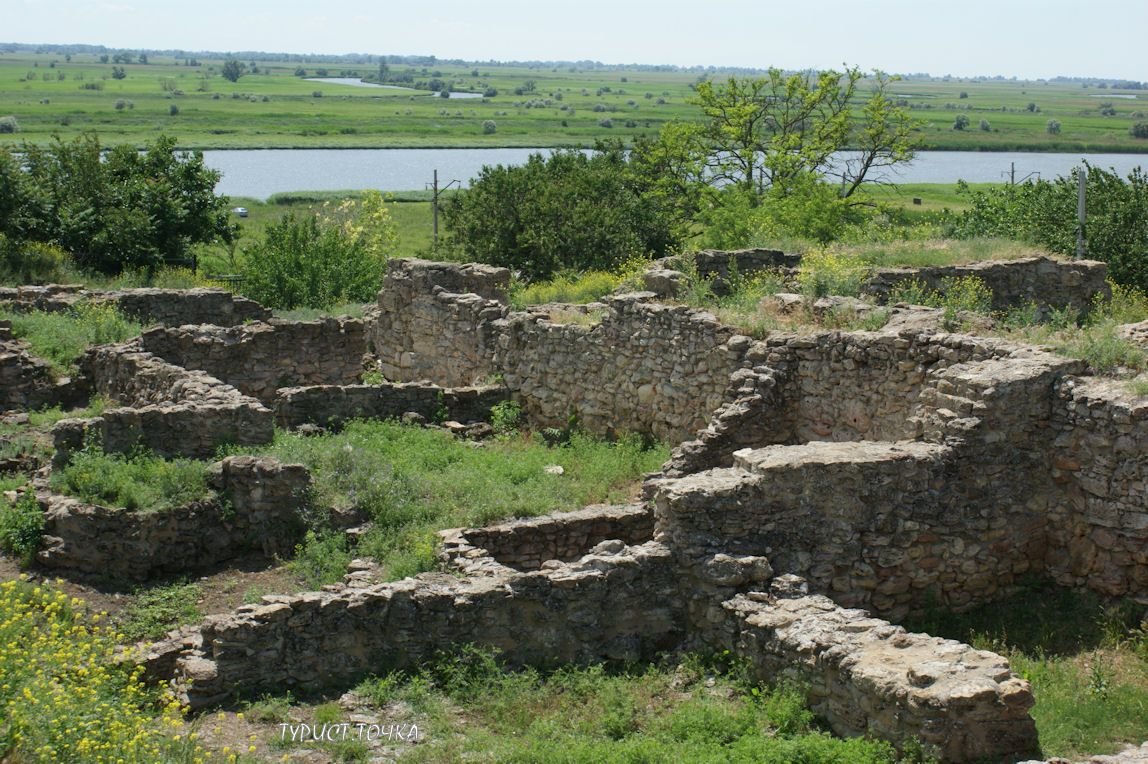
(262, 172)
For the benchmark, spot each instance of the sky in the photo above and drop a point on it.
(964, 38)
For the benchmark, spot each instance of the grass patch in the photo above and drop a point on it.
(139, 481)
(412, 482)
(61, 338)
(157, 610)
(571, 288)
(351, 309)
(1087, 660)
(592, 714)
(937, 252)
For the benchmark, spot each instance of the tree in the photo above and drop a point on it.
(128, 209)
(1052, 126)
(1138, 130)
(961, 122)
(1044, 212)
(773, 131)
(118, 73)
(303, 262)
(233, 69)
(568, 210)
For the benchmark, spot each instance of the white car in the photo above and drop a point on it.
(240, 211)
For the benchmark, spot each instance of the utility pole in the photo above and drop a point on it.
(1081, 183)
(434, 203)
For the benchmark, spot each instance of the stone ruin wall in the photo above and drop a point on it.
(969, 465)
(257, 511)
(331, 405)
(1098, 522)
(171, 307)
(1043, 281)
(643, 367)
(258, 359)
(170, 410)
(618, 604)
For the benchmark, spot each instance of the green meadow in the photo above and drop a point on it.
(554, 106)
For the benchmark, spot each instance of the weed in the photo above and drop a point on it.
(137, 482)
(158, 609)
(62, 337)
(825, 272)
(505, 417)
(21, 525)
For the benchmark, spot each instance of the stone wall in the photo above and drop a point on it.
(168, 409)
(529, 543)
(26, 382)
(257, 510)
(434, 321)
(615, 604)
(331, 405)
(643, 367)
(1098, 524)
(956, 517)
(172, 307)
(1041, 280)
(259, 358)
(868, 677)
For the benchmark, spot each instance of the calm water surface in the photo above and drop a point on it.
(261, 173)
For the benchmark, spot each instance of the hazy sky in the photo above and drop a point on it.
(1022, 38)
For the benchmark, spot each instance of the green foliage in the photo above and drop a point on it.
(1082, 654)
(825, 273)
(565, 211)
(156, 610)
(62, 337)
(1044, 212)
(122, 209)
(505, 417)
(233, 69)
(9, 124)
(776, 130)
(593, 714)
(139, 482)
(1139, 130)
(321, 559)
(302, 262)
(21, 525)
(412, 481)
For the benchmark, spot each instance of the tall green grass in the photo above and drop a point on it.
(683, 712)
(135, 482)
(412, 482)
(62, 337)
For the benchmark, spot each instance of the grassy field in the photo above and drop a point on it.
(557, 106)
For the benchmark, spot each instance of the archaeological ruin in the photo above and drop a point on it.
(825, 486)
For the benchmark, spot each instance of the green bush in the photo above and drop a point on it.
(1044, 213)
(62, 337)
(136, 482)
(565, 211)
(21, 525)
(303, 263)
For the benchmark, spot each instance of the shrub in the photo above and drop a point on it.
(827, 273)
(9, 124)
(489, 127)
(303, 263)
(985, 126)
(173, 110)
(1138, 130)
(565, 211)
(1052, 127)
(136, 482)
(961, 122)
(21, 525)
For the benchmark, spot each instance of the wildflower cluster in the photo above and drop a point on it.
(64, 696)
